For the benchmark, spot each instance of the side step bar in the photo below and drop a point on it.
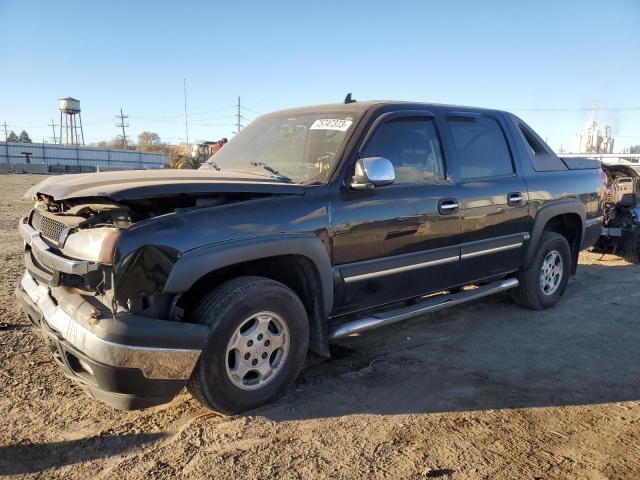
(430, 305)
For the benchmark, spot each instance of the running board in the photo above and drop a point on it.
(430, 305)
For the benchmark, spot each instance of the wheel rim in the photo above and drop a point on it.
(551, 272)
(257, 350)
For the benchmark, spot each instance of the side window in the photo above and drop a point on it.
(481, 147)
(412, 145)
(542, 158)
(535, 147)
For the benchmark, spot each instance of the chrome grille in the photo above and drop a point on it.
(48, 227)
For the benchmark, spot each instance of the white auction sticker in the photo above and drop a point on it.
(331, 124)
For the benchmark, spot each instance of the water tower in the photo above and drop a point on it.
(69, 109)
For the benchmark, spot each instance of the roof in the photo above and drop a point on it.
(359, 107)
(330, 107)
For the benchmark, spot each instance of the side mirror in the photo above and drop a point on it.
(373, 172)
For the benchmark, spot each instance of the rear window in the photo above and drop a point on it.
(481, 147)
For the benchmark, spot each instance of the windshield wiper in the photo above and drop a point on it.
(277, 175)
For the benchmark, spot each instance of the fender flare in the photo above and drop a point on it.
(546, 213)
(194, 264)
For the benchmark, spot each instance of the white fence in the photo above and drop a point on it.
(53, 154)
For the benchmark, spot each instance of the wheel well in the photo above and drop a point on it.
(297, 272)
(568, 225)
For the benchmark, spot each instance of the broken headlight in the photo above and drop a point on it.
(92, 244)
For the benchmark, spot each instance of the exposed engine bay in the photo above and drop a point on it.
(88, 229)
(621, 225)
(96, 212)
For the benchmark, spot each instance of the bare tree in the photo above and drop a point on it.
(150, 142)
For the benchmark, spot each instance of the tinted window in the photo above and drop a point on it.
(542, 158)
(481, 147)
(535, 147)
(412, 145)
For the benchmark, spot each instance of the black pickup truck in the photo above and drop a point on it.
(311, 225)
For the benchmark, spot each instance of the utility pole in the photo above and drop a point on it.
(53, 126)
(6, 135)
(122, 125)
(186, 116)
(239, 117)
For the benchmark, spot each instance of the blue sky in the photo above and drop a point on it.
(543, 60)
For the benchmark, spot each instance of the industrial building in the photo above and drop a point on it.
(594, 139)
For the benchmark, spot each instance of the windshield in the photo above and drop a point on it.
(298, 148)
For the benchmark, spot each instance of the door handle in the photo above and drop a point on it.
(447, 206)
(514, 199)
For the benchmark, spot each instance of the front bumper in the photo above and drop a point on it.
(42, 252)
(126, 360)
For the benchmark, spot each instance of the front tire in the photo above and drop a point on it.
(544, 281)
(257, 345)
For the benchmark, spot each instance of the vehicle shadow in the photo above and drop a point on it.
(27, 458)
(489, 354)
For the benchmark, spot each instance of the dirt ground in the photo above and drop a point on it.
(484, 391)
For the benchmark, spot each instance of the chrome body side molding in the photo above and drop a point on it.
(414, 266)
(379, 267)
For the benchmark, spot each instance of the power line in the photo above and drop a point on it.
(99, 121)
(202, 112)
(258, 103)
(122, 125)
(239, 117)
(192, 114)
(567, 135)
(236, 120)
(251, 110)
(6, 135)
(179, 121)
(226, 117)
(53, 126)
(213, 124)
(186, 116)
(612, 109)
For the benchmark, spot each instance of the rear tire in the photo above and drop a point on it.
(257, 345)
(544, 281)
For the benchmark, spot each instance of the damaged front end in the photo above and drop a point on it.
(99, 250)
(72, 245)
(122, 351)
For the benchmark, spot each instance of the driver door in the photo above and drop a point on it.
(397, 242)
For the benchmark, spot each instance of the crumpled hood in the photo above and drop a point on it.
(137, 184)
